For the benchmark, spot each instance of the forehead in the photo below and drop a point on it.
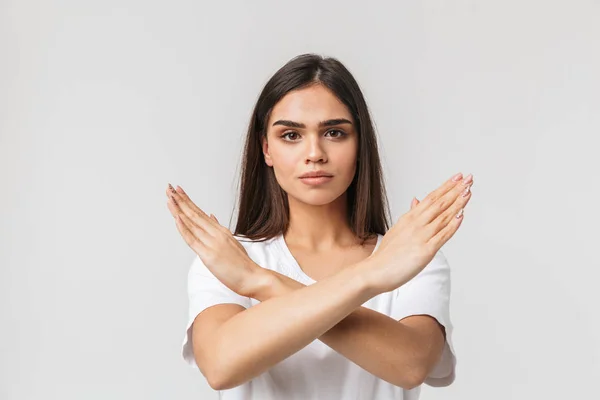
(310, 106)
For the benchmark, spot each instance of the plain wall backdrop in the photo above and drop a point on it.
(103, 103)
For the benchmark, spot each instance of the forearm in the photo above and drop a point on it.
(282, 325)
(372, 340)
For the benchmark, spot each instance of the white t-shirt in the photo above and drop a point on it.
(317, 371)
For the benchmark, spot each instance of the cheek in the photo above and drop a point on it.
(284, 161)
(345, 160)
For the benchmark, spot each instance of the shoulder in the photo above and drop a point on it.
(434, 278)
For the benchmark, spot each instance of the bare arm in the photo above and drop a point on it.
(289, 318)
(402, 353)
(280, 326)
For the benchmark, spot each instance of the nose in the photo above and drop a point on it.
(316, 153)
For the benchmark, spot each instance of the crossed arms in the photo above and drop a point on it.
(232, 344)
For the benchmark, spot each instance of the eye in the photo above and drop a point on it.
(337, 134)
(289, 133)
(341, 133)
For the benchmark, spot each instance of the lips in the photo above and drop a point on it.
(316, 181)
(315, 174)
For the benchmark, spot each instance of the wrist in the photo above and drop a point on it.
(366, 271)
(260, 284)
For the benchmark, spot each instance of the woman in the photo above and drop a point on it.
(312, 297)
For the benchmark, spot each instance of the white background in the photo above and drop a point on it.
(105, 102)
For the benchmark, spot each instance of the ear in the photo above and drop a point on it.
(265, 149)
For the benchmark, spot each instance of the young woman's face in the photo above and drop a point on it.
(293, 149)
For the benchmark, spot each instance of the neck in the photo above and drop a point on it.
(319, 228)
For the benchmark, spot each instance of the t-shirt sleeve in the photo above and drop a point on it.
(204, 291)
(428, 293)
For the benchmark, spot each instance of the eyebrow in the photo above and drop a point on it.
(329, 122)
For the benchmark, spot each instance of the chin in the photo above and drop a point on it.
(316, 197)
(316, 202)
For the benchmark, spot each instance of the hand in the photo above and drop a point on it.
(220, 252)
(416, 237)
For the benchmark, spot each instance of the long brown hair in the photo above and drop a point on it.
(263, 204)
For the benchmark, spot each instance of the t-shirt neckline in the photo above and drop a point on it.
(296, 269)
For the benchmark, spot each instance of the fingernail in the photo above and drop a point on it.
(171, 188)
(179, 189)
(457, 177)
(460, 213)
(465, 192)
(468, 179)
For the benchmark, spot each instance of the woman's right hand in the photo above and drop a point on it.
(416, 237)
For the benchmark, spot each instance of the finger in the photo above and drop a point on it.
(204, 237)
(181, 193)
(191, 240)
(414, 203)
(438, 240)
(214, 221)
(192, 211)
(432, 197)
(173, 208)
(237, 243)
(192, 227)
(194, 207)
(445, 201)
(448, 215)
(182, 197)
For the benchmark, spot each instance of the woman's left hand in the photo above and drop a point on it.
(222, 254)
